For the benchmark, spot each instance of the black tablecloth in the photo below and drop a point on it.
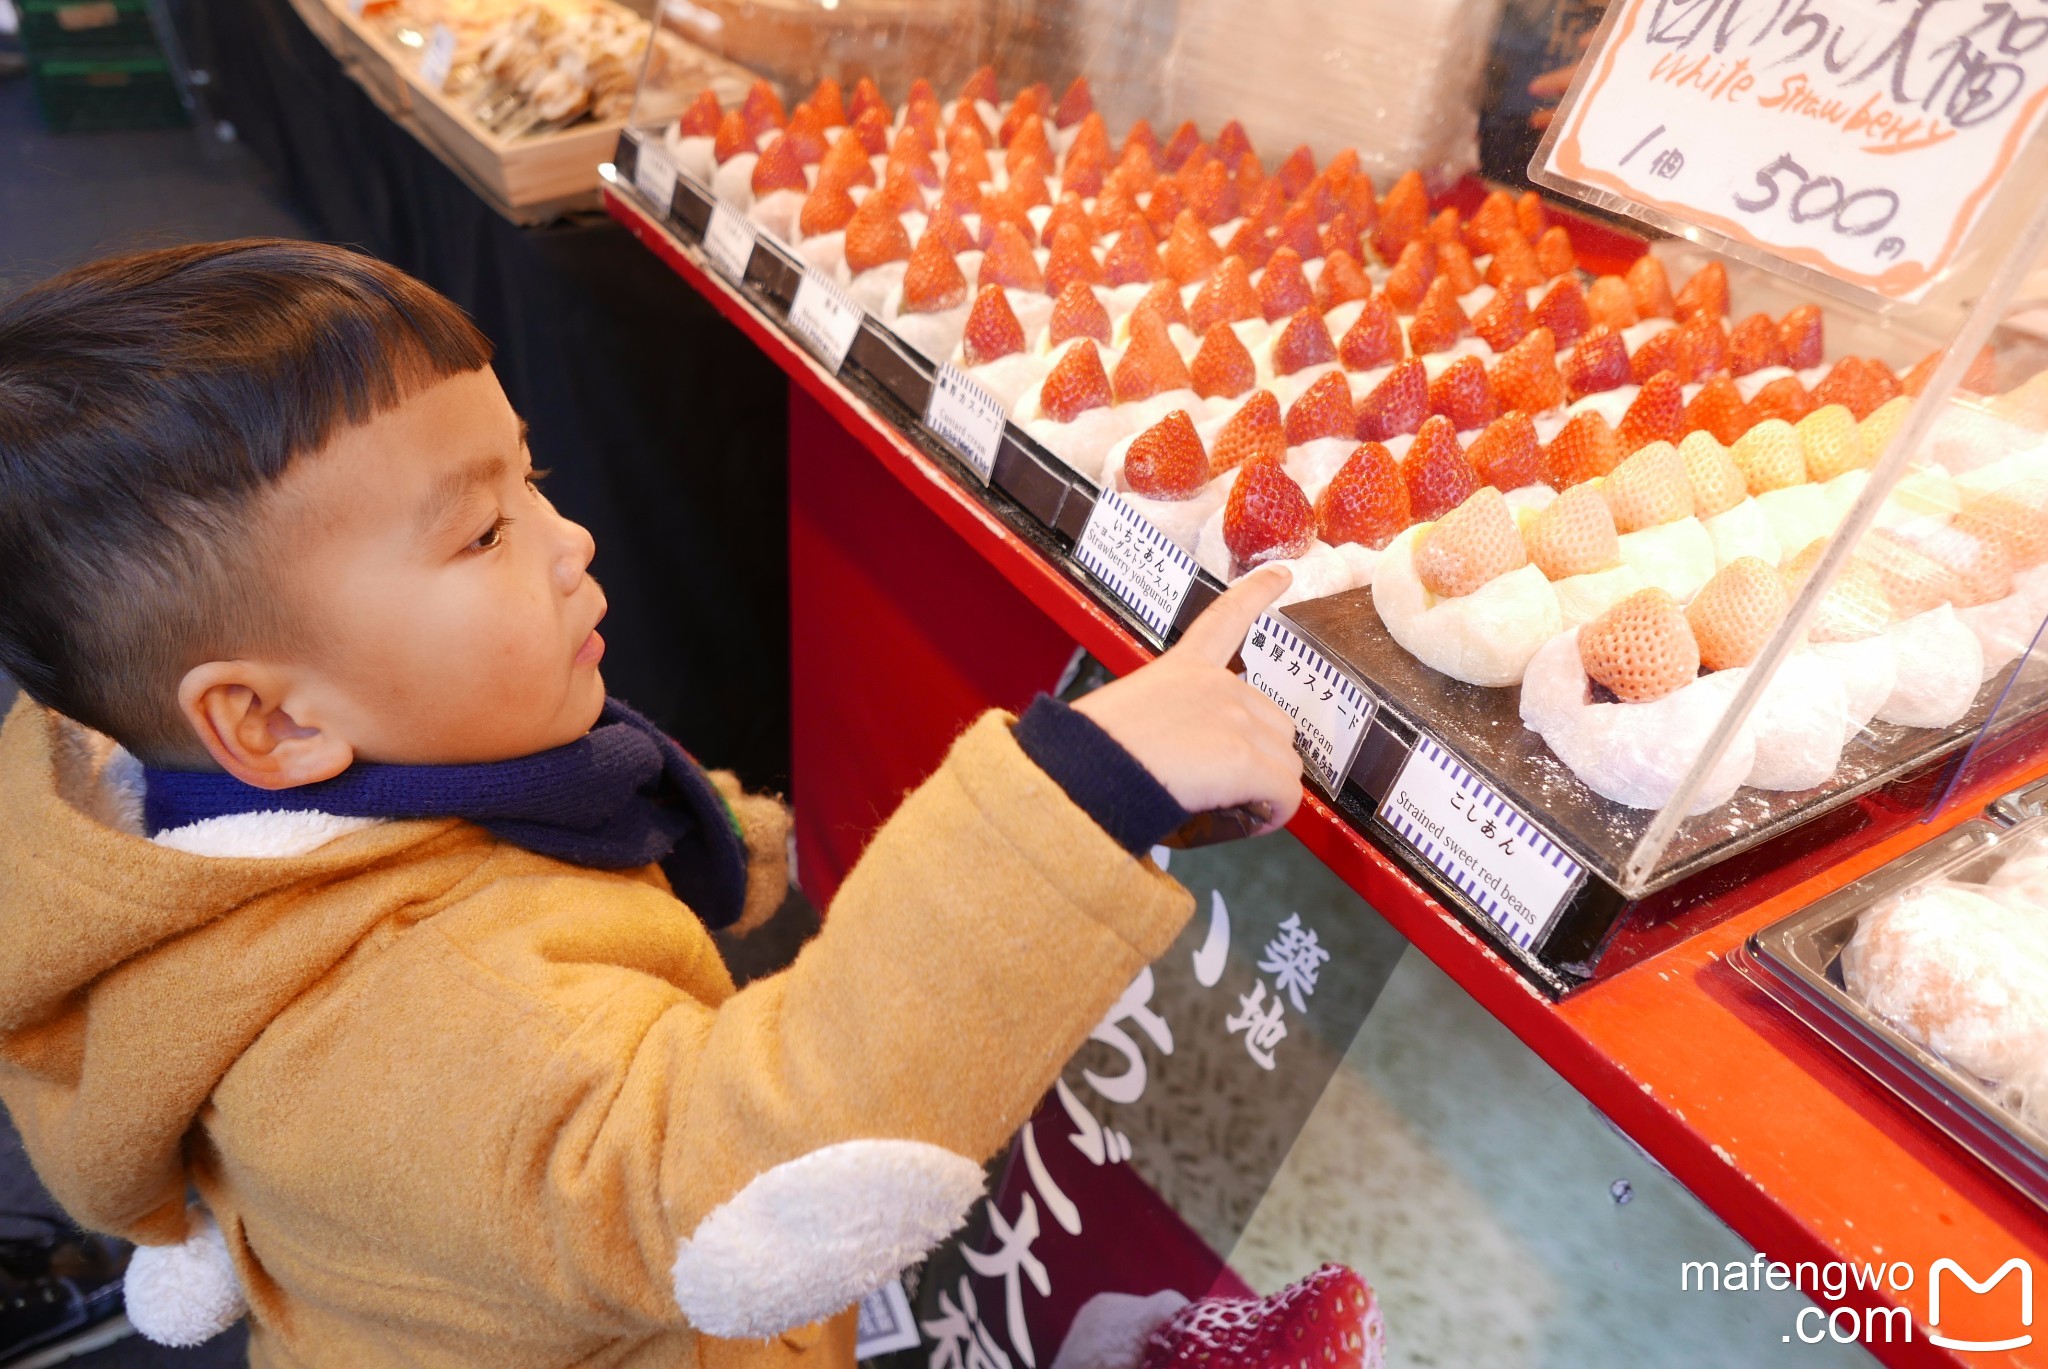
(664, 426)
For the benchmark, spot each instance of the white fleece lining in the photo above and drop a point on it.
(273, 835)
(186, 1294)
(814, 1235)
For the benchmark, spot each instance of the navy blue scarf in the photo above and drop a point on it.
(622, 796)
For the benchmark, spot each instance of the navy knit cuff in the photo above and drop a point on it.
(1105, 781)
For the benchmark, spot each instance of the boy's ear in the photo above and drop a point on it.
(237, 710)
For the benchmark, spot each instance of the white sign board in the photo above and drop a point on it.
(1329, 710)
(729, 241)
(1140, 564)
(966, 417)
(654, 174)
(825, 317)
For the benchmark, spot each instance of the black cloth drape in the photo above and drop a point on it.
(664, 426)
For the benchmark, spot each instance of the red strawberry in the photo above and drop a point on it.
(1507, 455)
(1190, 253)
(1267, 207)
(1071, 260)
(1166, 461)
(1084, 171)
(1584, 449)
(1341, 234)
(1707, 338)
(1670, 350)
(1411, 277)
(826, 210)
(846, 165)
(1374, 339)
(1530, 215)
(1514, 266)
(1027, 112)
(1438, 473)
(1493, 222)
(1132, 259)
(913, 160)
(1266, 518)
(1076, 384)
(1297, 171)
(864, 98)
(992, 328)
(732, 138)
(1439, 322)
(1078, 313)
(1250, 244)
(1652, 288)
(1303, 343)
(1284, 289)
(1069, 213)
(980, 86)
(1342, 281)
(1503, 321)
(965, 129)
(1232, 144)
(1447, 226)
(1554, 253)
(933, 282)
(702, 118)
(1026, 143)
(1143, 140)
(1222, 368)
(1718, 409)
(1454, 263)
(1150, 365)
(1754, 344)
(1706, 293)
(1610, 303)
(1397, 405)
(870, 128)
(762, 109)
(967, 156)
(1297, 229)
(898, 193)
(1008, 261)
(1656, 414)
(830, 103)
(1563, 311)
(1404, 214)
(1180, 147)
(1225, 297)
(1031, 183)
(1463, 394)
(1784, 398)
(875, 235)
(1075, 105)
(1859, 382)
(1323, 410)
(1214, 197)
(1162, 301)
(806, 135)
(1253, 433)
(1598, 363)
(1366, 501)
(1799, 335)
(950, 228)
(1526, 376)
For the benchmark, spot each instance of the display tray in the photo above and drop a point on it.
(1049, 504)
(1797, 962)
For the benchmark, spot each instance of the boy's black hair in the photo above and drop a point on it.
(146, 401)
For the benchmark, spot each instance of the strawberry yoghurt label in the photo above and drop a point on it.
(1329, 709)
(1140, 565)
(1501, 861)
(1859, 138)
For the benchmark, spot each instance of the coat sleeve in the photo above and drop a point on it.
(774, 1156)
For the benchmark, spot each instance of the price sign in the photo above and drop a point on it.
(1120, 547)
(654, 175)
(1861, 138)
(729, 241)
(886, 1323)
(1329, 710)
(825, 317)
(439, 58)
(1509, 869)
(966, 417)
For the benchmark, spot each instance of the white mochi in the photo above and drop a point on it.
(1675, 557)
(1923, 492)
(1318, 572)
(1743, 530)
(1869, 672)
(693, 155)
(1485, 637)
(1582, 598)
(1800, 515)
(733, 181)
(1940, 669)
(1800, 722)
(775, 213)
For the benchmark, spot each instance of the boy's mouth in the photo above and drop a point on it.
(592, 650)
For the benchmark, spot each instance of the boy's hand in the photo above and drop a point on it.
(1210, 738)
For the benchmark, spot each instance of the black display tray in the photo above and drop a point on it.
(1048, 504)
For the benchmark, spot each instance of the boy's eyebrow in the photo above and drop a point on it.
(449, 489)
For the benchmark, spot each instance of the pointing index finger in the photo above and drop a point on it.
(1219, 632)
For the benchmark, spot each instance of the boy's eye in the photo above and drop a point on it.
(493, 535)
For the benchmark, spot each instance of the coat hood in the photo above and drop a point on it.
(133, 974)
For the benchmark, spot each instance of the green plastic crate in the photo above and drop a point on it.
(56, 29)
(96, 95)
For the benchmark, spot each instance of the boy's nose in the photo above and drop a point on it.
(579, 548)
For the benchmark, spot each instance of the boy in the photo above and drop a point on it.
(360, 936)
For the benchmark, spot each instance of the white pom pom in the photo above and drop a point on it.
(183, 1295)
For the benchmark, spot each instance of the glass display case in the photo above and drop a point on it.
(1615, 555)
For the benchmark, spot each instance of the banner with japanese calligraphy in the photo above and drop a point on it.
(1862, 139)
(1132, 1183)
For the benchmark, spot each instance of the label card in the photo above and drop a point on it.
(729, 241)
(886, 1323)
(1860, 138)
(1512, 872)
(1329, 710)
(966, 417)
(825, 317)
(439, 58)
(1121, 548)
(654, 175)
